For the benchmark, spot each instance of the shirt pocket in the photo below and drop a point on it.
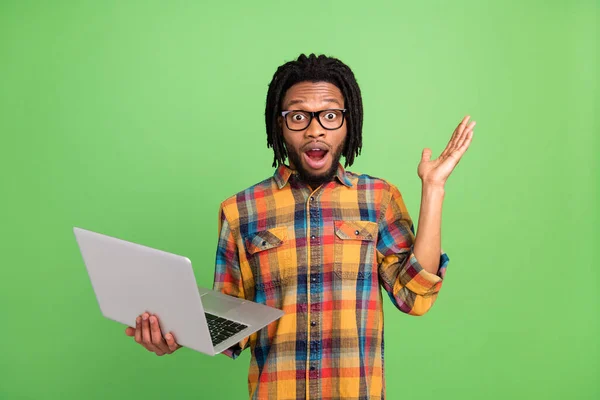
(269, 256)
(354, 249)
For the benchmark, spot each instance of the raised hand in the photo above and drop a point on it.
(436, 172)
(147, 333)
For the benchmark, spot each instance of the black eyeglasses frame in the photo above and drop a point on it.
(314, 114)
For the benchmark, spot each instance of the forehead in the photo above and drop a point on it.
(313, 92)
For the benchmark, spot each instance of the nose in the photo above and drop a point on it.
(315, 129)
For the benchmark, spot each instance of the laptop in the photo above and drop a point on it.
(130, 279)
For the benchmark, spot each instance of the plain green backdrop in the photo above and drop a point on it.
(136, 118)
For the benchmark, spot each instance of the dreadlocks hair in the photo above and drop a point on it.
(314, 69)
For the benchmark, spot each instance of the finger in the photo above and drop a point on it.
(465, 145)
(426, 155)
(171, 342)
(461, 132)
(457, 143)
(465, 135)
(455, 135)
(129, 331)
(447, 149)
(146, 336)
(460, 128)
(138, 330)
(146, 329)
(458, 153)
(464, 121)
(156, 335)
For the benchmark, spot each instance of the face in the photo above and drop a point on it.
(315, 151)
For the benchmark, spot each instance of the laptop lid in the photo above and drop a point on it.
(130, 279)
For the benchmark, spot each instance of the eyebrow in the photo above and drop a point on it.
(329, 100)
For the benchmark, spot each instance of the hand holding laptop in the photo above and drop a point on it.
(129, 279)
(147, 333)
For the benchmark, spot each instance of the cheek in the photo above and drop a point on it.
(291, 141)
(340, 139)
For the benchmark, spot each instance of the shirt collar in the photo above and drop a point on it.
(283, 173)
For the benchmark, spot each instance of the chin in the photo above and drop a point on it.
(321, 172)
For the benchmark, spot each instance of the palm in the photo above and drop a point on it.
(437, 171)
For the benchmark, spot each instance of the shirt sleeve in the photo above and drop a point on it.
(228, 277)
(411, 288)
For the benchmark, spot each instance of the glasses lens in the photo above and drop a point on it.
(297, 120)
(331, 119)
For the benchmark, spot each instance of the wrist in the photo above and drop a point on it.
(434, 187)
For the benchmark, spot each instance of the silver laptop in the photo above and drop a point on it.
(130, 279)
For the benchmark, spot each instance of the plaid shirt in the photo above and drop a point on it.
(321, 256)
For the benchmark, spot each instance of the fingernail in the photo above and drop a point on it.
(153, 320)
(138, 320)
(145, 316)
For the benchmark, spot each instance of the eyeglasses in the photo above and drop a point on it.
(299, 120)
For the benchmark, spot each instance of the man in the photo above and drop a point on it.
(319, 242)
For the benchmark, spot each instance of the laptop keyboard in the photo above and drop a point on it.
(222, 329)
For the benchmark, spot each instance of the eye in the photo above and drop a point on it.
(330, 116)
(298, 117)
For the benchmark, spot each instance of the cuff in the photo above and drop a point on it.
(234, 351)
(418, 280)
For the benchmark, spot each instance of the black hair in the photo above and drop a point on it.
(314, 69)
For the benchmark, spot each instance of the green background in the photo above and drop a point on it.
(136, 119)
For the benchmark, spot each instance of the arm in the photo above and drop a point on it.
(411, 268)
(412, 289)
(433, 174)
(228, 278)
(428, 240)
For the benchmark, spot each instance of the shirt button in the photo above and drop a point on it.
(313, 237)
(312, 368)
(312, 199)
(313, 279)
(356, 232)
(313, 323)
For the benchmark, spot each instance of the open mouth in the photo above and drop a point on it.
(316, 157)
(316, 154)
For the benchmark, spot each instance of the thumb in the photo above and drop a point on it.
(130, 331)
(426, 156)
